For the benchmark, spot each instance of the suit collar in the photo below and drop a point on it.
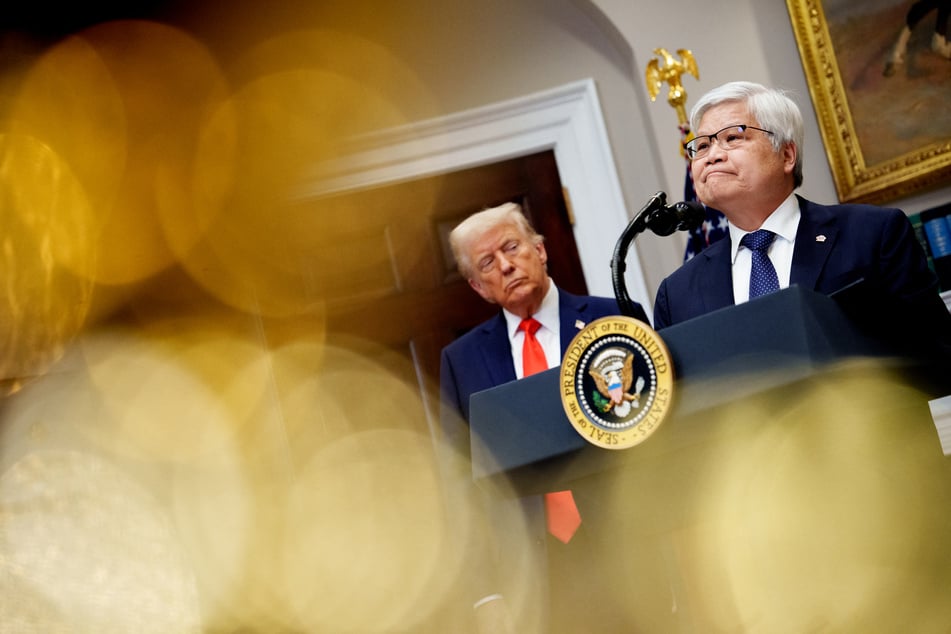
(573, 316)
(496, 350)
(717, 291)
(818, 231)
(495, 347)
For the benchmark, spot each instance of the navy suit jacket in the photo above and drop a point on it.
(835, 246)
(482, 358)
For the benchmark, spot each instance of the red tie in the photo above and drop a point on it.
(560, 509)
(533, 357)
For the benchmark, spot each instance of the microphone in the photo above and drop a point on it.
(663, 220)
(682, 216)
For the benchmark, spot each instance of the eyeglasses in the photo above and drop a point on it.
(728, 138)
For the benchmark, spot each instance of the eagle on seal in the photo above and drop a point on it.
(613, 377)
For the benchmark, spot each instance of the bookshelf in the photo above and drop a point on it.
(933, 229)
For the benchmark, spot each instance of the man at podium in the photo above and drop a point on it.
(746, 161)
(504, 260)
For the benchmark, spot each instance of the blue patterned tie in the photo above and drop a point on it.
(763, 278)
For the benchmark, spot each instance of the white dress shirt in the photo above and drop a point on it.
(549, 335)
(784, 222)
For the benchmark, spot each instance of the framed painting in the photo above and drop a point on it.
(885, 118)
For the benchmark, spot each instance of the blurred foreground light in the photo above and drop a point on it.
(240, 474)
(821, 506)
(300, 99)
(85, 548)
(188, 396)
(367, 544)
(121, 104)
(46, 256)
(164, 412)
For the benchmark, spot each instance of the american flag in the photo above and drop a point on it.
(714, 225)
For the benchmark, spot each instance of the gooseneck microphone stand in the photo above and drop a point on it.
(663, 220)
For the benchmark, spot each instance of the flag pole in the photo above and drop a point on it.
(668, 69)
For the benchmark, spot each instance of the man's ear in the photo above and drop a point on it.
(790, 151)
(542, 253)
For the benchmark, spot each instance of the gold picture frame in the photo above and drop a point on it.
(875, 157)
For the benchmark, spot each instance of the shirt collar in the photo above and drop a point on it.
(547, 314)
(784, 222)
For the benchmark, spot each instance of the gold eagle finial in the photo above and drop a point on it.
(671, 72)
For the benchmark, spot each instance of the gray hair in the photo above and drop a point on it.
(772, 108)
(470, 229)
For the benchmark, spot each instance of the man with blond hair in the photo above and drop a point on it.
(504, 260)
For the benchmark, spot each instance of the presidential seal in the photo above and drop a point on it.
(616, 382)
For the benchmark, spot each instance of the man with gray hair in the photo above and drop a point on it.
(746, 161)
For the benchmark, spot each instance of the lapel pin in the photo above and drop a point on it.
(579, 324)
(820, 238)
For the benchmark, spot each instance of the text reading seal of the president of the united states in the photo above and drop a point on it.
(616, 382)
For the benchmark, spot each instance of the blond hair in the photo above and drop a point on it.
(480, 222)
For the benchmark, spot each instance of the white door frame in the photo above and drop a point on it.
(566, 119)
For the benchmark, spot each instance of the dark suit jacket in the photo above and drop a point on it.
(482, 358)
(835, 246)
